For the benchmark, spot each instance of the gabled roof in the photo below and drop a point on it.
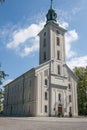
(71, 72)
(41, 65)
(31, 70)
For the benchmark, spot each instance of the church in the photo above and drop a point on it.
(49, 89)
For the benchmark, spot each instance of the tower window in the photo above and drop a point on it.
(59, 70)
(44, 33)
(45, 95)
(59, 97)
(44, 56)
(46, 108)
(58, 55)
(69, 86)
(69, 98)
(70, 109)
(44, 43)
(58, 41)
(69, 78)
(45, 81)
(30, 83)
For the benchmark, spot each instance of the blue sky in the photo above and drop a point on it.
(21, 21)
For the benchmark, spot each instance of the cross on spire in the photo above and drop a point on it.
(51, 4)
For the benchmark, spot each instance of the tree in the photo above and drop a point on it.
(81, 73)
(1, 99)
(2, 76)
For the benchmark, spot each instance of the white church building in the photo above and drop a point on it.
(49, 89)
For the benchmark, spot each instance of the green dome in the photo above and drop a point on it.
(51, 15)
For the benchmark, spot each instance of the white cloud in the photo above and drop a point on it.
(70, 37)
(64, 24)
(69, 14)
(75, 10)
(20, 36)
(25, 41)
(27, 50)
(78, 62)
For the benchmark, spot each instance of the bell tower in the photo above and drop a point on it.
(52, 41)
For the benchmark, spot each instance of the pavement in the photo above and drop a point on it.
(42, 123)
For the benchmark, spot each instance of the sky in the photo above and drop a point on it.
(22, 20)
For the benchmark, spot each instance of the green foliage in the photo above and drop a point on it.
(2, 75)
(81, 73)
(1, 99)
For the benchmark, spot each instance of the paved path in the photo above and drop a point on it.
(43, 123)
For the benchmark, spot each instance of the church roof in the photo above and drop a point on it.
(71, 72)
(51, 15)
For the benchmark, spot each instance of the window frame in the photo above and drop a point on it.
(45, 108)
(44, 42)
(59, 97)
(44, 33)
(70, 109)
(45, 82)
(69, 86)
(44, 56)
(58, 55)
(46, 96)
(59, 70)
(70, 98)
(58, 41)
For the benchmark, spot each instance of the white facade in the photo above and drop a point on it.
(49, 89)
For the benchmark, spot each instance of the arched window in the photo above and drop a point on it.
(59, 97)
(70, 98)
(44, 42)
(44, 33)
(59, 71)
(44, 55)
(58, 41)
(70, 109)
(45, 108)
(58, 55)
(45, 95)
(45, 81)
(69, 86)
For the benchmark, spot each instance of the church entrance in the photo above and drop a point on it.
(60, 110)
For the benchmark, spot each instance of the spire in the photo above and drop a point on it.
(51, 15)
(51, 4)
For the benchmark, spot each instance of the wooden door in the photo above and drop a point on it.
(60, 109)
